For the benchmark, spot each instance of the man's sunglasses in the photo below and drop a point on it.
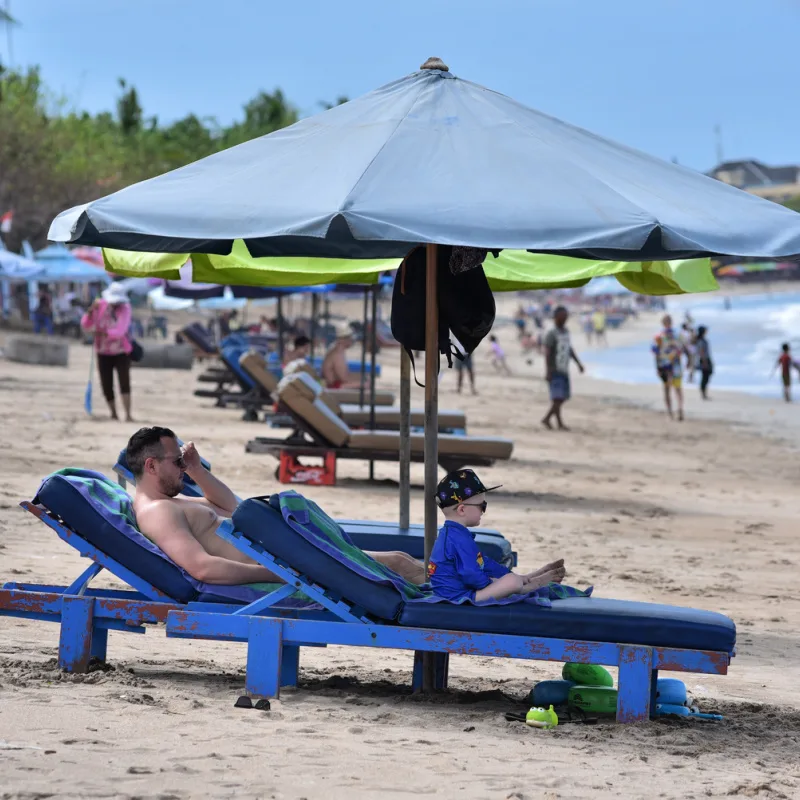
(178, 462)
(483, 505)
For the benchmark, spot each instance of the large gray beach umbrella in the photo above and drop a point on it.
(433, 159)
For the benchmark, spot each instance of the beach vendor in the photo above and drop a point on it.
(558, 355)
(457, 569)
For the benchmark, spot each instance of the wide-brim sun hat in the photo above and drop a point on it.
(115, 294)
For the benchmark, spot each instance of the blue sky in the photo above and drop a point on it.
(655, 74)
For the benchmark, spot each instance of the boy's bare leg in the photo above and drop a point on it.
(502, 587)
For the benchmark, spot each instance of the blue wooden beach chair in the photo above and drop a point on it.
(86, 614)
(366, 611)
(367, 534)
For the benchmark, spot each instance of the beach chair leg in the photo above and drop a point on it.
(264, 657)
(441, 666)
(653, 692)
(290, 665)
(75, 641)
(635, 686)
(99, 643)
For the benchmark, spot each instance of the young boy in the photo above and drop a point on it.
(786, 362)
(498, 356)
(457, 569)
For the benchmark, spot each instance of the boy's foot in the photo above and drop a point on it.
(129, 418)
(549, 567)
(546, 423)
(680, 416)
(562, 426)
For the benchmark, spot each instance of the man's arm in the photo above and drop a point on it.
(214, 490)
(166, 525)
(574, 356)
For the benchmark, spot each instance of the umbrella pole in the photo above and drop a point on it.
(363, 348)
(280, 329)
(431, 430)
(314, 310)
(373, 357)
(405, 440)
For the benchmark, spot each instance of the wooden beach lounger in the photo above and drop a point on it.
(355, 415)
(321, 432)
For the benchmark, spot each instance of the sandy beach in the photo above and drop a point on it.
(702, 513)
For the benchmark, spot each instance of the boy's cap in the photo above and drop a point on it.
(458, 486)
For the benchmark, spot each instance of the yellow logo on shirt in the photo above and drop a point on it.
(431, 569)
(480, 559)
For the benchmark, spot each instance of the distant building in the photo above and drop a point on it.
(774, 183)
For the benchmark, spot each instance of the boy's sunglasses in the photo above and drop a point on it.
(483, 505)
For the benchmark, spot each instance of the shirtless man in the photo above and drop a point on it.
(301, 349)
(185, 527)
(335, 371)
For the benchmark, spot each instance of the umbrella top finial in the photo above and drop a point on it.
(435, 63)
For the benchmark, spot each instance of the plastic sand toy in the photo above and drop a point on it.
(539, 718)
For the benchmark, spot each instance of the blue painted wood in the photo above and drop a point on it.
(290, 576)
(100, 643)
(653, 692)
(81, 583)
(441, 667)
(264, 657)
(635, 672)
(75, 642)
(290, 665)
(53, 589)
(267, 601)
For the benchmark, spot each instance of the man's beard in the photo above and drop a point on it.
(171, 489)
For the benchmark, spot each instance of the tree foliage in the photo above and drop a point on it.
(53, 157)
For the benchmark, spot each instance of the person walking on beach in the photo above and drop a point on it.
(462, 366)
(667, 351)
(599, 326)
(785, 363)
(109, 318)
(702, 354)
(558, 354)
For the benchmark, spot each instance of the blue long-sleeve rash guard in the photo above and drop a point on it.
(457, 569)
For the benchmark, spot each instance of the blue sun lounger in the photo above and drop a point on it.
(157, 584)
(367, 534)
(369, 611)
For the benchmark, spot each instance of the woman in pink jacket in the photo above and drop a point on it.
(109, 318)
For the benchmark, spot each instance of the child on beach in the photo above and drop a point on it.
(786, 362)
(457, 569)
(498, 356)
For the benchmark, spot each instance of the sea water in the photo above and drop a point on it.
(745, 342)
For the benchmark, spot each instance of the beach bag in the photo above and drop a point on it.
(408, 308)
(136, 351)
(466, 305)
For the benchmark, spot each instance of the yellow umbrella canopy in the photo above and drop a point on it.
(512, 270)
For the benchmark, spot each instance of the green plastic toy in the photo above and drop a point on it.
(539, 718)
(593, 699)
(587, 674)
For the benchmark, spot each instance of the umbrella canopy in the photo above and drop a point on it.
(18, 268)
(60, 266)
(431, 158)
(512, 270)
